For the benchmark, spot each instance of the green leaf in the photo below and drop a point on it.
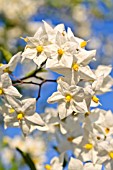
(6, 54)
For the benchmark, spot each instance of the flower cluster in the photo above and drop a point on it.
(76, 126)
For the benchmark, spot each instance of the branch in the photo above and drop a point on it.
(18, 82)
(40, 86)
(30, 75)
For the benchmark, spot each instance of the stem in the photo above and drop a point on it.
(27, 159)
(18, 82)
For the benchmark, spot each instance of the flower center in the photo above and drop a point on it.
(20, 116)
(11, 110)
(87, 114)
(111, 154)
(95, 99)
(60, 52)
(1, 91)
(6, 70)
(39, 48)
(107, 130)
(68, 98)
(1, 64)
(63, 32)
(25, 39)
(88, 146)
(83, 44)
(70, 139)
(75, 66)
(48, 167)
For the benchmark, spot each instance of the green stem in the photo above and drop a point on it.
(27, 159)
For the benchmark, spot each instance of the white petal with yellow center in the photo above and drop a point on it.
(39, 48)
(75, 66)
(83, 44)
(68, 98)
(88, 146)
(107, 130)
(20, 115)
(95, 99)
(1, 91)
(111, 154)
(48, 167)
(60, 52)
(11, 110)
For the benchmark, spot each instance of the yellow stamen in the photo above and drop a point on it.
(39, 48)
(111, 154)
(63, 33)
(60, 52)
(1, 64)
(48, 167)
(83, 44)
(11, 110)
(88, 146)
(75, 66)
(68, 98)
(91, 81)
(6, 70)
(20, 115)
(95, 99)
(25, 39)
(1, 91)
(107, 130)
(87, 114)
(70, 139)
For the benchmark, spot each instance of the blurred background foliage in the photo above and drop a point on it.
(89, 19)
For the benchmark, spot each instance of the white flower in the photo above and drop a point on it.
(52, 32)
(70, 99)
(90, 93)
(61, 52)
(100, 85)
(76, 164)
(106, 154)
(36, 47)
(24, 115)
(87, 145)
(10, 67)
(56, 163)
(6, 88)
(82, 43)
(76, 68)
(68, 126)
(51, 118)
(104, 121)
(107, 83)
